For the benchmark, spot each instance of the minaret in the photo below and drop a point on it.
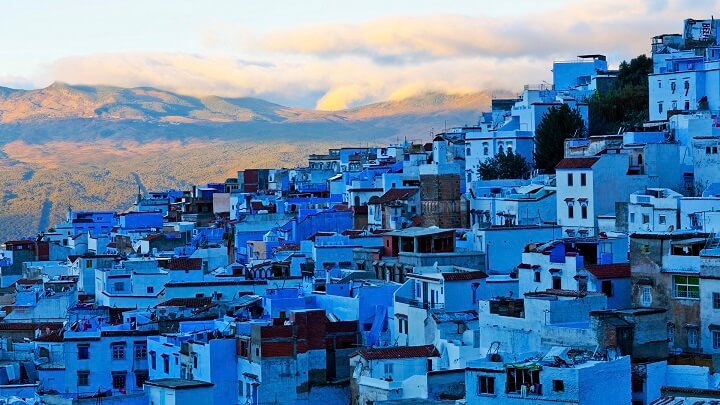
(139, 196)
(439, 150)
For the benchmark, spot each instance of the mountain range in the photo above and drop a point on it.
(90, 147)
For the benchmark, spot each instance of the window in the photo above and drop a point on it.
(716, 300)
(195, 361)
(166, 363)
(118, 351)
(469, 151)
(714, 150)
(150, 289)
(583, 179)
(645, 219)
(388, 368)
(140, 377)
(119, 286)
(632, 217)
(486, 385)
(716, 339)
(659, 84)
(518, 378)
(687, 105)
(241, 386)
(646, 296)
(83, 378)
(673, 85)
(707, 150)
(83, 352)
(674, 105)
(570, 179)
(660, 107)
(118, 380)
(583, 211)
(662, 219)
(692, 337)
(88, 264)
(537, 276)
(571, 211)
(607, 288)
(486, 149)
(153, 360)
(140, 351)
(558, 385)
(557, 283)
(687, 287)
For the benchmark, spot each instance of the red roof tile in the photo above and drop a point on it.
(185, 263)
(394, 194)
(399, 352)
(618, 270)
(577, 163)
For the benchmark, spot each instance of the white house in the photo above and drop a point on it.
(549, 379)
(655, 210)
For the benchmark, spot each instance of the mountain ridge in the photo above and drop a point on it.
(64, 101)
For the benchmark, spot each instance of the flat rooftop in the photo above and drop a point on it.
(178, 383)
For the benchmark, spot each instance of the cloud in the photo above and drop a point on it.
(342, 82)
(625, 27)
(336, 66)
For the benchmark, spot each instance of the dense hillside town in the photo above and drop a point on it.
(405, 273)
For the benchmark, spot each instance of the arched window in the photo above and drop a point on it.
(486, 149)
(509, 149)
(500, 148)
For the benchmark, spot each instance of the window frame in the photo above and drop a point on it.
(486, 385)
(85, 349)
(83, 378)
(678, 285)
(117, 351)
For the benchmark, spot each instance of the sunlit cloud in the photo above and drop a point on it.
(337, 66)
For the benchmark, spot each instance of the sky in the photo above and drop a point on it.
(322, 54)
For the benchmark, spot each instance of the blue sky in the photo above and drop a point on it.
(327, 54)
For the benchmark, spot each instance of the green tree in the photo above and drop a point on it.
(626, 103)
(557, 125)
(504, 166)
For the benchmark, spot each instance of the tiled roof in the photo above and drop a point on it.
(577, 163)
(464, 275)
(559, 293)
(30, 325)
(194, 302)
(185, 263)
(617, 270)
(394, 194)
(25, 281)
(399, 352)
(691, 391)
